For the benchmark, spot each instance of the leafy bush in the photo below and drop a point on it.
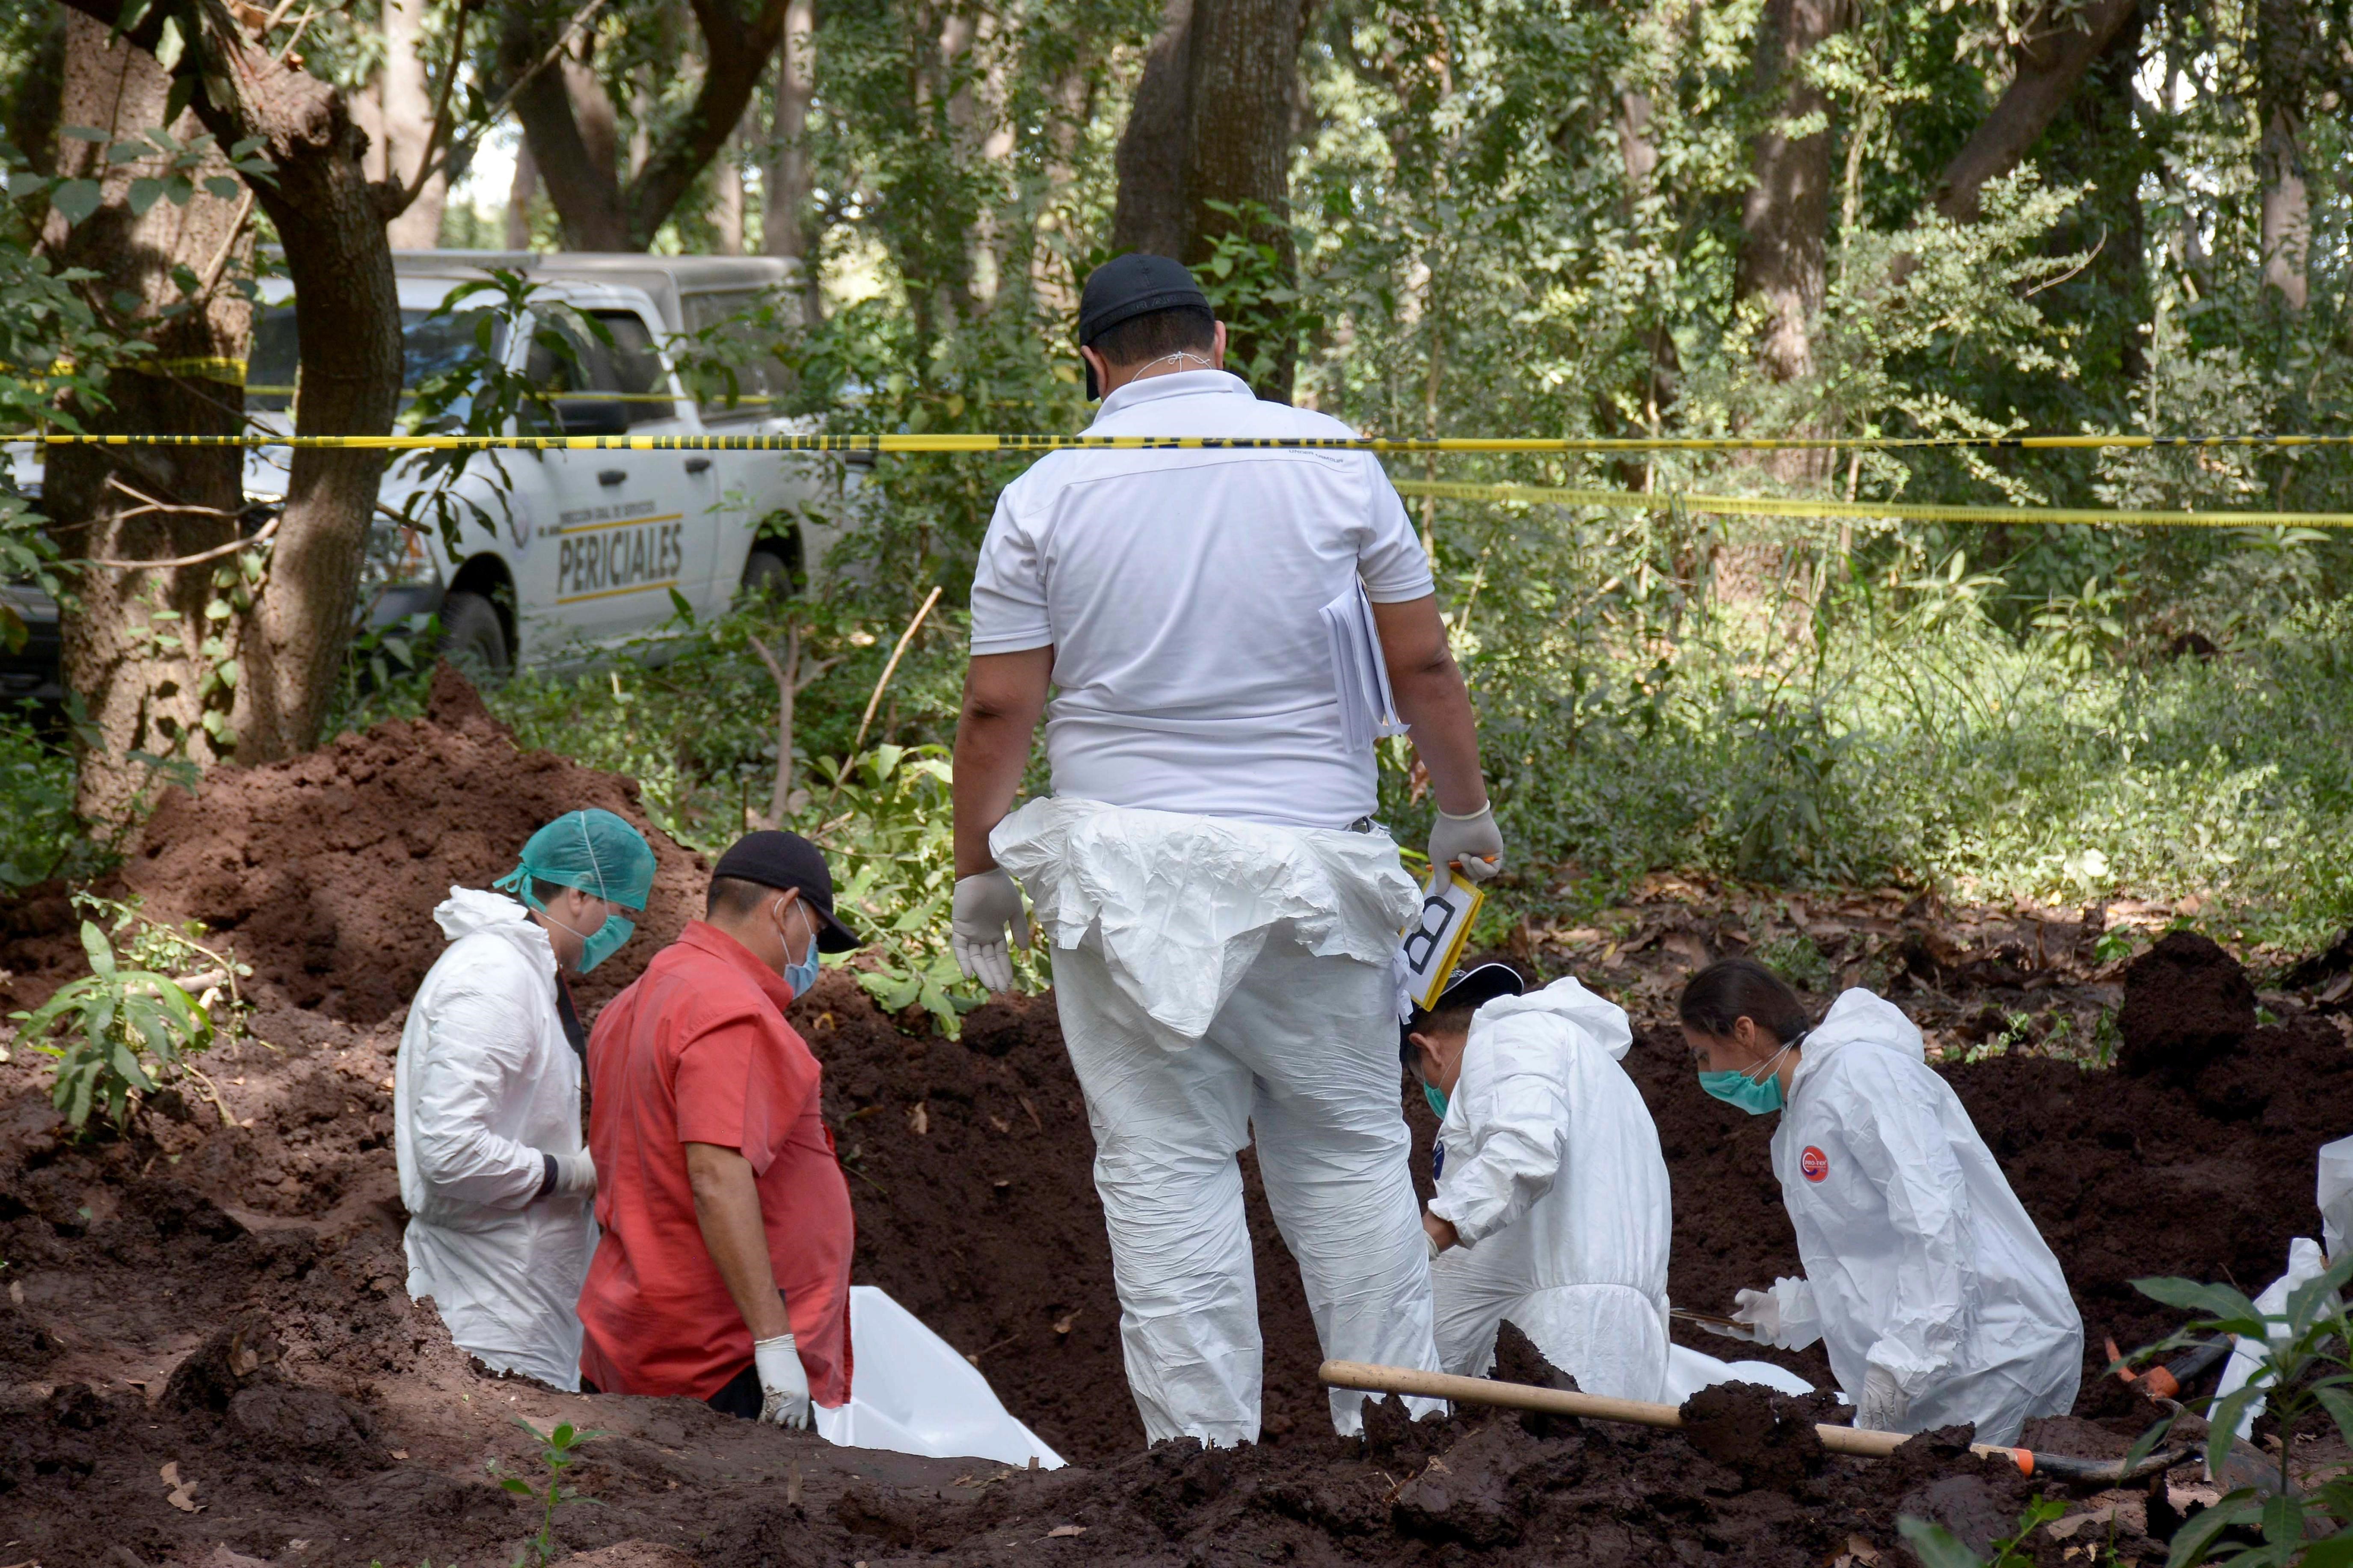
(130, 1028)
(2307, 1371)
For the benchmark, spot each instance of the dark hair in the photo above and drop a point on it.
(1156, 334)
(1734, 988)
(736, 896)
(545, 890)
(1449, 1021)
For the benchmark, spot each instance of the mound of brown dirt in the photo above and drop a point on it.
(321, 872)
(2186, 1003)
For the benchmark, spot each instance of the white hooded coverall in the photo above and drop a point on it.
(1550, 1171)
(1918, 1257)
(486, 1087)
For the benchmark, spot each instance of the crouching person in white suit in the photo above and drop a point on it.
(1553, 1210)
(485, 1098)
(1926, 1280)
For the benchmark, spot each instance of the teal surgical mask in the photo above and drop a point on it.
(1437, 1098)
(596, 946)
(1750, 1094)
(802, 975)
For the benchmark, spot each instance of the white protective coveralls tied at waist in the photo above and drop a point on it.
(1553, 1182)
(1218, 978)
(485, 1088)
(1920, 1262)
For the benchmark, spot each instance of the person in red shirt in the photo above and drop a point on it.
(723, 1271)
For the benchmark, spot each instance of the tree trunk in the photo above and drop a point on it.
(1784, 221)
(2047, 68)
(786, 189)
(330, 220)
(1152, 212)
(1212, 124)
(31, 123)
(2283, 52)
(519, 197)
(727, 203)
(569, 122)
(407, 104)
(135, 643)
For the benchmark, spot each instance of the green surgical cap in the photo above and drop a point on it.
(594, 851)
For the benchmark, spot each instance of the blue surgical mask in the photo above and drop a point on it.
(802, 975)
(1751, 1095)
(1437, 1098)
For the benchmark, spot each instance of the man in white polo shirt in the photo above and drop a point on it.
(1228, 632)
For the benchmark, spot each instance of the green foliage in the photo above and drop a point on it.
(2307, 1372)
(559, 1450)
(1937, 1547)
(130, 1028)
(891, 830)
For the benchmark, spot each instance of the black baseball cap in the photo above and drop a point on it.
(776, 859)
(1130, 286)
(1472, 988)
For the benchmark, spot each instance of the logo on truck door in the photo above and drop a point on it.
(601, 557)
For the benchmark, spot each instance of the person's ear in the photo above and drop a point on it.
(1096, 362)
(1428, 1052)
(1217, 347)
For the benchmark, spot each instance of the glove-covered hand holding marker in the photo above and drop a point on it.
(1473, 845)
(783, 1381)
(987, 908)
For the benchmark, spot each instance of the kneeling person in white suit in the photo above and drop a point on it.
(486, 1100)
(1553, 1209)
(1926, 1280)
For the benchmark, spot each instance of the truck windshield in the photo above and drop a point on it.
(428, 344)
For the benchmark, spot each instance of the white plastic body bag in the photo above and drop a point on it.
(486, 1086)
(1553, 1180)
(1918, 1257)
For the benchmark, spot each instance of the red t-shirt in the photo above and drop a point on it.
(698, 1051)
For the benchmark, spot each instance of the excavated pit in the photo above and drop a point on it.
(228, 1301)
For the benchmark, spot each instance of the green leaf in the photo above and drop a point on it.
(2231, 1311)
(222, 186)
(2334, 1552)
(84, 133)
(169, 45)
(144, 193)
(516, 1486)
(76, 199)
(2192, 1539)
(94, 943)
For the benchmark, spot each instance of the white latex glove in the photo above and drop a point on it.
(1473, 843)
(576, 1173)
(783, 1381)
(1761, 1310)
(988, 906)
(1883, 1404)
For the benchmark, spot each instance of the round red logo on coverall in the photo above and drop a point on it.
(1814, 1163)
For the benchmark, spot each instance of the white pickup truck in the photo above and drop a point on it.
(577, 550)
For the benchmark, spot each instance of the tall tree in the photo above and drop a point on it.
(409, 119)
(1784, 221)
(330, 217)
(2285, 40)
(139, 651)
(1212, 124)
(2048, 59)
(788, 184)
(569, 118)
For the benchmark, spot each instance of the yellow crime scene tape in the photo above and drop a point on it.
(961, 441)
(1779, 506)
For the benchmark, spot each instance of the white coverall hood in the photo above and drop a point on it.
(1553, 1178)
(485, 1087)
(1919, 1259)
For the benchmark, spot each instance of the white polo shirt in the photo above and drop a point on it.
(1182, 593)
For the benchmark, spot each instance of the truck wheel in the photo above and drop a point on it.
(472, 639)
(766, 572)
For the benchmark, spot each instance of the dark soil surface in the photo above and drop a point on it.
(225, 1301)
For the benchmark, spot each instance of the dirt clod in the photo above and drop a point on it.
(2186, 1003)
(1762, 1434)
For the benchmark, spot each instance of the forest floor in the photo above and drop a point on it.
(218, 1294)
